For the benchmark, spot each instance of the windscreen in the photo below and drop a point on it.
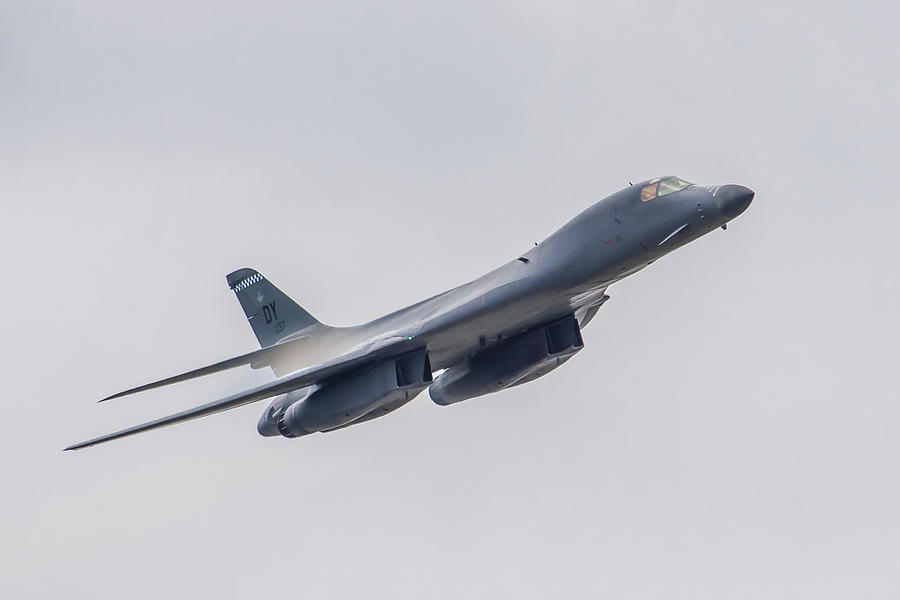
(661, 187)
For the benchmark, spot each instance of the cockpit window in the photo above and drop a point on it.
(649, 191)
(672, 184)
(661, 187)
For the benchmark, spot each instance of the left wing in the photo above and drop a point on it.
(360, 358)
(256, 359)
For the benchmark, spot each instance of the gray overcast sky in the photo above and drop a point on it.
(730, 431)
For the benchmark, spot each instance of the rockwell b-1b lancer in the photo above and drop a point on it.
(506, 328)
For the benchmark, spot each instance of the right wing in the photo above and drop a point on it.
(360, 358)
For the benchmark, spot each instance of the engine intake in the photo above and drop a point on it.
(362, 395)
(519, 359)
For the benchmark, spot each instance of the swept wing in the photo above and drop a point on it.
(357, 359)
(256, 359)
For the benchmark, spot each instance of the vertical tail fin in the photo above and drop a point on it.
(272, 314)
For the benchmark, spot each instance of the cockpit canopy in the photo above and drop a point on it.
(660, 187)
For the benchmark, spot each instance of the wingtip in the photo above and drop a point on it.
(126, 393)
(82, 445)
(111, 397)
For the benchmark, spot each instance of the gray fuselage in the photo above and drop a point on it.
(567, 273)
(506, 328)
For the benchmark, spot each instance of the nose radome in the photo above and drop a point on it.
(733, 199)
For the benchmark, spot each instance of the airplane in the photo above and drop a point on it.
(508, 327)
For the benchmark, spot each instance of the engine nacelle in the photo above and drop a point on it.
(268, 421)
(358, 395)
(519, 359)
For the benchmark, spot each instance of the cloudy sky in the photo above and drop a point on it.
(730, 430)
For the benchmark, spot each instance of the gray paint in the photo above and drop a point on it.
(568, 274)
(728, 432)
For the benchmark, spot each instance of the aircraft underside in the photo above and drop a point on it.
(380, 389)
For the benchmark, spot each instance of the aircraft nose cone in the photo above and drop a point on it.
(733, 199)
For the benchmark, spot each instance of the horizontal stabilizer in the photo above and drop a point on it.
(360, 358)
